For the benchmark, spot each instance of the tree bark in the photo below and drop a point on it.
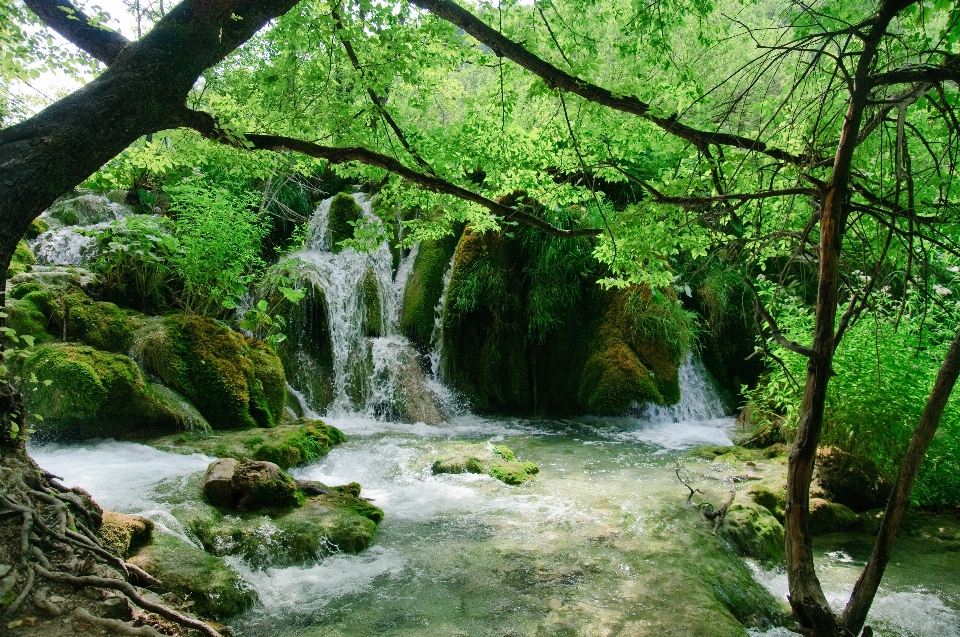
(49, 154)
(865, 589)
(806, 595)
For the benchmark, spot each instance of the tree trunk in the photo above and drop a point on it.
(866, 587)
(806, 595)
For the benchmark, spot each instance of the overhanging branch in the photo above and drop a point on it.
(205, 124)
(559, 79)
(74, 25)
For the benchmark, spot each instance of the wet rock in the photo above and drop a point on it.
(830, 517)
(755, 532)
(57, 276)
(851, 480)
(332, 519)
(125, 533)
(217, 483)
(216, 590)
(287, 445)
(497, 461)
(249, 485)
(343, 210)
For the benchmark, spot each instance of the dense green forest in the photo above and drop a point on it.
(769, 184)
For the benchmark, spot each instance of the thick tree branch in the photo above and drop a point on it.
(559, 79)
(949, 71)
(205, 124)
(75, 26)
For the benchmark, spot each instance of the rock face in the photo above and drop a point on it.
(567, 346)
(233, 381)
(249, 485)
(497, 461)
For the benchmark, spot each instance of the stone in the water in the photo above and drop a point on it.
(249, 485)
(830, 517)
(217, 484)
(755, 532)
(497, 461)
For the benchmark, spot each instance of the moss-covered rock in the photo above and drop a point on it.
(332, 519)
(343, 210)
(57, 276)
(424, 289)
(86, 209)
(852, 480)
(232, 380)
(830, 517)
(249, 485)
(372, 309)
(215, 589)
(614, 378)
(24, 317)
(288, 445)
(125, 533)
(94, 394)
(100, 324)
(497, 461)
(23, 260)
(755, 532)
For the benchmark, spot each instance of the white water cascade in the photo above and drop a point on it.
(379, 376)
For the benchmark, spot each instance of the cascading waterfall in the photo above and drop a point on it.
(436, 337)
(377, 376)
(699, 398)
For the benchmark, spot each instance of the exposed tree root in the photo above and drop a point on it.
(48, 545)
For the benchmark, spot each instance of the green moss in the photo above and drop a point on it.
(24, 317)
(204, 579)
(20, 291)
(343, 210)
(306, 444)
(424, 289)
(514, 472)
(497, 461)
(261, 489)
(754, 532)
(335, 521)
(93, 394)
(233, 381)
(371, 303)
(102, 325)
(614, 378)
(22, 260)
(37, 227)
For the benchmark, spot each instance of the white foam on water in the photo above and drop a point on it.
(909, 613)
(681, 435)
(306, 590)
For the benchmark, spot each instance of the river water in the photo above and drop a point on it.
(468, 555)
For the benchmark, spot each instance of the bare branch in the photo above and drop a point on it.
(775, 329)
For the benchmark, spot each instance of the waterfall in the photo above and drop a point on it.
(436, 337)
(375, 376)
(699, 398)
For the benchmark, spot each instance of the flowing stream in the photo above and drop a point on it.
(468, 555)
(571, 553)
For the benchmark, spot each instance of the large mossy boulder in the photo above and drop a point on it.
(343, 210)
(424, 289)
(497, 461)
(234, 381)
(196, 575)
(527, 329)
(86, 209)
(330, 519)
(82, 392)
(290, 444)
